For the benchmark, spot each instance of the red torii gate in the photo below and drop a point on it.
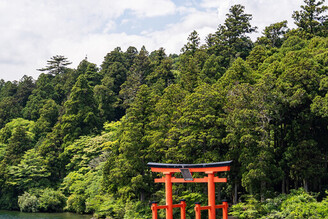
(186, 169)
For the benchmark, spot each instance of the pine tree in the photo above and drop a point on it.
(312, 18)
(81, 113)
(274, 34)
(231, 40)
(56, 65)
(192, 44)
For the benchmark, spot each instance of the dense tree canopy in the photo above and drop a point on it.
(81, 138)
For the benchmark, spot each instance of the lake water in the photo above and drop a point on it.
(21, 215)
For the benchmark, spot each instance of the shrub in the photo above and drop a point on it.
(76, 203)
(300, 204)
(28, 202)
(191, 198)
(250, 209)
(51, 201)
(137, 210)
(297, 204)
(105, 206)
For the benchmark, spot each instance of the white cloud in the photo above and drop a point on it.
(111, 25)
(265, 12)
(33, 31)
(95, 46)
(149, 8)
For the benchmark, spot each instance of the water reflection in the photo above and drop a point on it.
(21, 215)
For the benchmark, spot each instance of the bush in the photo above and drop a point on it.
(250, 209)
(300, 204)
(51, 201)
(105, 206)
(137, 210)
(297, 204)
(191, 198)
(28, 202)
(76, 203)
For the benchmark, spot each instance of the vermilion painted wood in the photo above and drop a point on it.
(225, 210)
(197, 211)
(192, 170)
(219, 206)
(182, 207)
(224, 207)
(210, 180)
(161, 207)
(177, 206)
(196, 180)
(211, 196)
(168, 191)
(154, 210)
(204, 207)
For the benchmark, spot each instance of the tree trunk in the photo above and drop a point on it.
(283, 186)
(142, 196)
(235, 196)
(219, 192)
(295, 184)
(263, 191)
(305, 185)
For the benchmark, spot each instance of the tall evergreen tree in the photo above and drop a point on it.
(231, 40)
(312, 18)
(56, 65)
(274, 34)
(129, 171)
(192, 44)
(81, 115)
(136, 76)
(43, 91)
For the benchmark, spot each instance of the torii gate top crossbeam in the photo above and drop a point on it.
(203, 167)
(200, 165)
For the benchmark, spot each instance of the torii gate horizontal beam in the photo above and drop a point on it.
(195, 180)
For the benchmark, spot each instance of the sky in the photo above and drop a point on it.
(32, 31)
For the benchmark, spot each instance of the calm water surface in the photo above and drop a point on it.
(21, 215)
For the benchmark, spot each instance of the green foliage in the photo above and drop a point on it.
(48, 117)
(56, 65)
(44, 90)
(18, 143)
(136, 76)
(106, 206)
(51, 201)
(297, 204)
(191, 198)
(45, 200)
(249, 209)
(10, 128)
(83, 184)
(30, 173)
(138, 210)
(193, 43)
(311, 19)
(28, 202)
(76, 203)
(274, 35)
(81, 115)
(88, 133)
(231, 40)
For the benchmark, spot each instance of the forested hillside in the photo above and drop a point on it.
(80, 139)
